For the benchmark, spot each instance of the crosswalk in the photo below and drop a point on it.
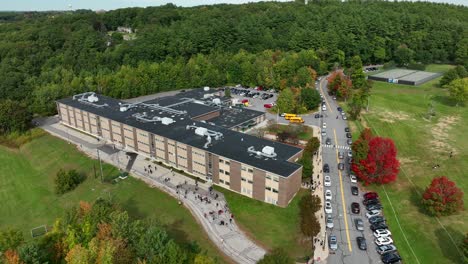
(338, 147)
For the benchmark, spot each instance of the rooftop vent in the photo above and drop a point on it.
(206, 88)
(267, 152)
(89, 98)
(217, 101)
(93, 98)
(203, 131)
(167, 121)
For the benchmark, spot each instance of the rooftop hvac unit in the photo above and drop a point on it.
(207, 96)
(217, 101)
(268, 150)
(206, 88)
(201, 131)
(167, 121)
(93, 98)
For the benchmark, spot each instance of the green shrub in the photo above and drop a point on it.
(417, 66)
(67, 180)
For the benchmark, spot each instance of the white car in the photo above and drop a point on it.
(350, 154)
(328, 195)
(329, 221)
(381, 241)
(353, 178)
(324, 125)
(328, 208)
(324, 108)
(373, 213)
(327, 181)
(382, 233)
(324, 133)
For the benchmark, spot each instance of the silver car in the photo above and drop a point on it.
(332, 242)
(329, 221)
(359, 224)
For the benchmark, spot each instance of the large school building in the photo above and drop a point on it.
(195, 131)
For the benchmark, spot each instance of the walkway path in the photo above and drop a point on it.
(208, 207)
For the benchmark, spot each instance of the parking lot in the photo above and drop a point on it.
(256, 98)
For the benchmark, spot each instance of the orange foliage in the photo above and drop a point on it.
(12, 257)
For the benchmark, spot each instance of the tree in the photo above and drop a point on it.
(227, 92)
(308, 206)
(276, 256)
(285, 101)
(442, 197)
(312, 145)
(356, 104)
(10, 239)
(12, 257)
(403, 55)
(358, 78)
(360, 147)
(307, 166)
(380, 165)
(458, 72)
(458, 90)
(310, 98)
(203, 259)
(283, 136)
(67, 180)
(14, 117)
(464, 247)
(339, 84)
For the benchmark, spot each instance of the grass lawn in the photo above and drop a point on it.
(28, 198)
(269, 225)
(399, 112)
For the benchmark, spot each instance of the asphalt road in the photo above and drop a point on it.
(344, 226)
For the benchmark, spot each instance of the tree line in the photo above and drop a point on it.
(49, 55)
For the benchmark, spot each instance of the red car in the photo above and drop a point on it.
(245, 101)
(268, 105)
(371, 195)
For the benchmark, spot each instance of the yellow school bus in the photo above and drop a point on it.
(289, 116)
(296, 119)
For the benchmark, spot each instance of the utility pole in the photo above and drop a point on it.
(100, 165)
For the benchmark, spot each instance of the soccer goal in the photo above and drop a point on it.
(38, 231)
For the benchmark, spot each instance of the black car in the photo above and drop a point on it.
(346, 129)
(328, 141)
(371, 207)
(355, 208)
(361, 241)
(391, 257)
(349, 141)
(380, 225)
(348, 135)
(371, 201)
(354, 190)
(341, 166)
(376, 219)
(316, 115)
(326, 168)
(339, 109)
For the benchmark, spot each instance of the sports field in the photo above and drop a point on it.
(28, 199)
(399, 112)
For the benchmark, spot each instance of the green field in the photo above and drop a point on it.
(269, 225)
(399, 112)
(28, 198)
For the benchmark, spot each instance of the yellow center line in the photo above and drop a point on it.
(324, 97)
(342, 197)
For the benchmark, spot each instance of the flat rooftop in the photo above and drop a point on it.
(407, 75)
(232, 145)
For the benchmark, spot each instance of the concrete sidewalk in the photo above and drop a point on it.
(210, 209)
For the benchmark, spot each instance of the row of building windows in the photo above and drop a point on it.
(170, 153)
(224, 182)
(182, 148)
(224, 162)
(171, 144)
(271, 189)
(129, 138)
(224, 172)
(161, 149)
(128, 129)
(246, 191)
(141, 142)
(181, 157)
(199, 154)
(245, 180)
(143, 134)
(247, 169)
(195, 171)
(199, 163)
(275, 178)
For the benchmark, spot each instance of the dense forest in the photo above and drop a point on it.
(48, 55)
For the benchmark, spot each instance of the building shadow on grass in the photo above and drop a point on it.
(130, 206)
(416, 197)
(446, 245)
(175, 230)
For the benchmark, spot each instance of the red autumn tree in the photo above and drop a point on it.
(442, 197)
(339, 85)
(380, 165)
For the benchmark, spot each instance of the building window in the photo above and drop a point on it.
(227, 183)
(250, 170)
(221, 181)
(222, 171)
(221, 161)
(227, 173)
(243, 179)
(243, 168)
(227, 163)
(276, 179)
(274, 190)
(268, 177)
(268, 188)
(250, 181)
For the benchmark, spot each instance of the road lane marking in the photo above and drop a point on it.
(324, 97)
(342, 198)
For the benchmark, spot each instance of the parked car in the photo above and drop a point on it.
(324, 125)
(324, 133)
(359, 224)
(350, 154)
(348, 135)
(340, 166)
(382, 233)
(344, 117)
(373, 213)
(328, 195)
(326, 168)
(390, 258)
(349, 141)
(370, 195)
(376, 219)
(355, 208)
(340, 155)
(332, 242)
(383, 241)
(316, 115)
(346, 129)
(354, 190)
(329, 221)
(377, 226)
(339, 109)
(386, 249)
(327, 181)
(371, 202)
(361, 241)
(268, 105)
(353, 178)
(374, 207)
(328, 208)
(328, 141)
